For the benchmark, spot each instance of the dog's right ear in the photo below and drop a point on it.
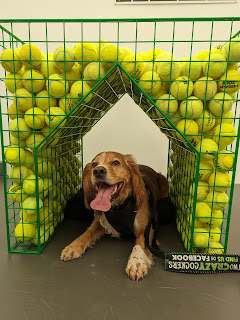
(89, 192)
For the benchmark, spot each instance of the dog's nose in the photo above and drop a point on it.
(99, 172)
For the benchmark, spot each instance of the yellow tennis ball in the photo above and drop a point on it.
(29, 159)
(30, 205)
(24, 231)
(215, 248)
(14, 112)
(48, 67)
(203, 212)
(176, 117)
(219, 49)
(202, 190)
(13, 82)
(23, 99)
(181, 88)
(35, 118)
(44, 101)
(73, 75)
(205, 121)
(225, 160)
(42, 236)
(200, 237)
(14, 155)
(57, 86)
(191, 108)
(150, 82)
(220, 181)
(42, 166)
(63, 58)
(110, 54)
(214, 233)
(33, 81)
(216, 219)
(19, 129)
(208, 149)
(224, 135)
(225, 118)
(214, 66)
(93, 73)
(10, 60)
(85, 52)
(205, 88)
(134, 66)
(191, 68)
(27, 218)
(168, 105)
(34, 139)
(167, 66)
(54, 116)
(221, 103)
(18, 174)
(16, 193)
(19, 142)
(79, 90)
(45, 215)
(30, 55)
(202, 55)
(30, 185)
(232, 49)
(217, 200)
(229, 82)
(205, 169)
(124, 52)
(67, 103)
(187, 127)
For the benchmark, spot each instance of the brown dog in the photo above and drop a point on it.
(119, 190)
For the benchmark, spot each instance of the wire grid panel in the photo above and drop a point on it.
(61, 78)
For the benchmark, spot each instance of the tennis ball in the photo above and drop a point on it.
(225, 160)
(24, 231)
(214, 66)
(29, 185)
(225, 118)
(176, 117)
(10, 60)
(216, 219)
(200, 237)
(29, 159)
(67, 103)
(30, 55)
(191, 108)
(217, 200)
(205, 88)
(13, 82)
(187, 127)
(202, 55)
(48, 67)
(23, 99)
(221, 103)
(205, 169)
(208, 149)
(14, 112)
(167, 66)
(35, 118)
(168, 105)
(124, 52)
(220, 181)
(205, 121)
(219, 49)
(93, 72)
(203, 212)
(150, 82)
(73, 75)
(191, 68)
(85, 52)
(42, 236)
(27, 218)
(79, 90)
(110, 54)
(214, 233)
(42, 165)
(202, 190)
(16, 193)
(135, 67)
(57, 86)
(45, 216)
(44, 101)
(98, 46)
(153, 54)
(215, 248)
(33, 81)
(181, 88)
(18, 174)
(19, 129)
(159, 93)
(30, 205)
(150, 66)
(54, 116)
(232, 49)
(224, 134)
(229, 82)
(19, 142)
(63, 58)
(14, 155)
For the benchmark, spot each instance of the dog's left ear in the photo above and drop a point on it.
(89, 191)
(139, 189)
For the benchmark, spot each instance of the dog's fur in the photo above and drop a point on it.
(120, 168)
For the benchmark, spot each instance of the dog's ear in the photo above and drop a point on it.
(89, 192)
(139, 190)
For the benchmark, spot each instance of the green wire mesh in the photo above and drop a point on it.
(60, 77)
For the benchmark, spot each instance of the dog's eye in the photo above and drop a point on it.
(94, 164)
(115, 163)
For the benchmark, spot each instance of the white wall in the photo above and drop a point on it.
(125, 128)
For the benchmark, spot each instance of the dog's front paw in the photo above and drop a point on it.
(70, 252)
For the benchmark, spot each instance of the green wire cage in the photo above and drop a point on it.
(60, 77)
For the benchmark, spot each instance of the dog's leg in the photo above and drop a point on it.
(77, 248)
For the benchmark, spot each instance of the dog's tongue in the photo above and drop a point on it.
(102, 200)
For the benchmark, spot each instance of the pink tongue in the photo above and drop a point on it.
(102, 200)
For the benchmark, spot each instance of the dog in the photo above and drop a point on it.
(120, 192)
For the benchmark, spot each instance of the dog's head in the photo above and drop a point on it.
(110, 179)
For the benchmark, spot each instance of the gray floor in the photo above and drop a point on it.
(41, 287)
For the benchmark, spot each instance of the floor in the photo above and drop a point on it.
(95, 287)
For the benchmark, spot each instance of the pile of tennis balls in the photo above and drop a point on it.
(196, 94)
